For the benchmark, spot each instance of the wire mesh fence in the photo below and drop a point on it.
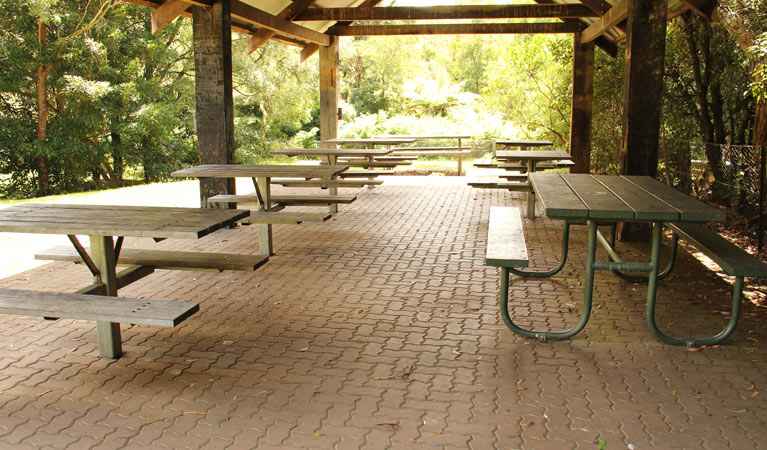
(732, 176)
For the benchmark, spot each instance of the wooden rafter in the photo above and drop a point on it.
(605, 44)
(465, 28)
(260, 37)
(447, 12)
(610, 19)
(167, 13)
(263, 19)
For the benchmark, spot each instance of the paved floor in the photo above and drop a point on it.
(380, 329)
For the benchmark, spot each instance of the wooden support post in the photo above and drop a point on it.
(643, 86)
(642, 95)
(582, 105)
(329, 90)
(108, 333)
(213, 86)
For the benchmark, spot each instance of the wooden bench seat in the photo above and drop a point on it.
(433, 149)
(107, 312)
(364, 173)
(396, 158)
(505, 238)
(135, 311)
(520, 177)
(372, 164)
(733, 260)
(485, 163)
(292, 182)
(292, 200)
(166, 259)
(431, 152)
(284, 217)
(497, 184)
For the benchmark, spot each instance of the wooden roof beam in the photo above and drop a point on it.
(704, 8)
(610, 19)
(311, 49)
(447, 12)
(247, 13)
(260, 37)
(466, 28)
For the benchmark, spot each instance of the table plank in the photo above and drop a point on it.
(536, 155)
(116, 220)
(646, 207)
(333, 151)
(373, 141)
(691, 210)
(251, 171)
(521, 143)
(558, 200)
(602, 203)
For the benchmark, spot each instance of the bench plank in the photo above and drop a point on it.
(166, 259)
(365, 173)
(296, 200)
(505, 238)
(285, 217)
(325, 183)
(135, 311)
(732, 259)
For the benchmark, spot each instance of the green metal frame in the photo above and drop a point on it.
(562, 258)
(616, 265)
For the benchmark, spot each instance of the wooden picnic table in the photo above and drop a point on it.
(458, 150)
(531, 159)
(606, 200)
(261, 176)
(370, 142)
(522, 144)
(102, 223)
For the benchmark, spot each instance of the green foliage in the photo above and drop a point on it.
(530, 84)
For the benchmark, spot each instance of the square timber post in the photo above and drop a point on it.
(212, 28)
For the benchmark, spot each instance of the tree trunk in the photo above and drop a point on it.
(760, 124)
(43, 176)
(117, 157)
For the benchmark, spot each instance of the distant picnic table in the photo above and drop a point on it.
(270, 206)
(458, 150)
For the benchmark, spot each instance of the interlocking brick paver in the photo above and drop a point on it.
(380, 329)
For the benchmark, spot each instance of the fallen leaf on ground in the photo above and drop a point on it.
(390, 424)
(754, 394)
(196, 413)
(526, 425)
(152, 421)
(44, 392)
(319, 434)
(751, 388)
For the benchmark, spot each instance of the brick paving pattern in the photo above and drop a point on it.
(380, 329)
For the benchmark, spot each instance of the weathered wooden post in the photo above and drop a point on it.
(213, 86)
(643, 94)
(329, 90)
(582, 105)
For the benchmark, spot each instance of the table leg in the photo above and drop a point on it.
(530, 193)
(460, 159)
(333, 207)
(652, 291)
(103, 255)
(264, 229)
(587, 298)
(371, 159)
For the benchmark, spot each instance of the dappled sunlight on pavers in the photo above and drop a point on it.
(380, 329)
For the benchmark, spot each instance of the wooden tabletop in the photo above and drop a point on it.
(617, 198)
(114, 220)
(333, 152)
(522, 143)
(374, 141)
(535, 155)
(255, 171)
(426, 136)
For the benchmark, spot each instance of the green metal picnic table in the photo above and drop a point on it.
(606, 200)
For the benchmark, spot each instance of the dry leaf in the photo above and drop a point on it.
(44, 392)
(152, 421)
(526, 425)
(752, 339)
(197, 413)
(391, 424)
(319, 434)
(751, 388)
(754, 394)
